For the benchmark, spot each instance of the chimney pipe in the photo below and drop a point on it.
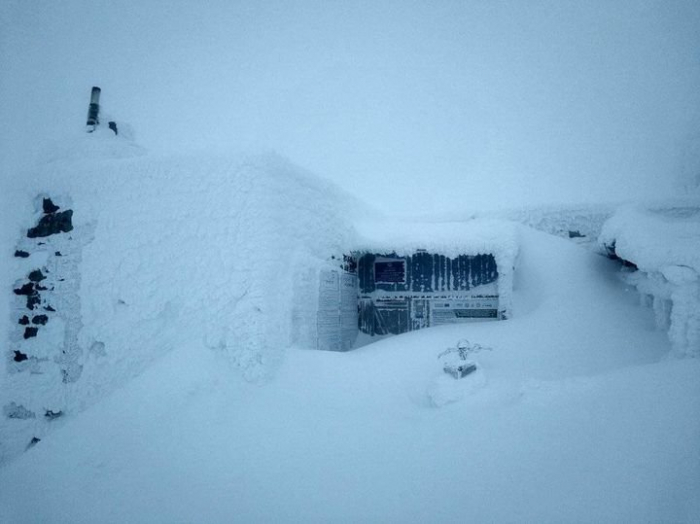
(94, 109)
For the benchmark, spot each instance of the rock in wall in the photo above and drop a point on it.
(43, 357)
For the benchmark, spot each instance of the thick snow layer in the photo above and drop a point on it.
(183, 272)
(580, 223)
(449, 238)
(656, 237)
(663, 241)
(209, 247)
(574, 416)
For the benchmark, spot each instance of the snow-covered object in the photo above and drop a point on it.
(497, 237)
(473, 237)
(443, 389)
(656, 237)
(212, 253)
(456, 361)
(663, 242)
(459, 368)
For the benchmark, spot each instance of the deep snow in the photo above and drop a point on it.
(576, 415)
(187, 294)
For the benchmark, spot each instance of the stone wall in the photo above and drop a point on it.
(43, 357)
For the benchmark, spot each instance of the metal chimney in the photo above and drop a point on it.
(94, 109)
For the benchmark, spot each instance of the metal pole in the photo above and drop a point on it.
(94, 109)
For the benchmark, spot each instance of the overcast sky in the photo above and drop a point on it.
(464, 103)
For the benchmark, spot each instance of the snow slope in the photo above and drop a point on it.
(576, 415)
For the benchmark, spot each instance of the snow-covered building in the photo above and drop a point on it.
(659, 246)
(247, 256)
(157, 247)
(412, 276)
(397, 277)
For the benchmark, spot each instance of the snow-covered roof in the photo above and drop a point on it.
(497, 237)
(474, 237)
(656, 237)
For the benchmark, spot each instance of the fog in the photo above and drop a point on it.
(411, 105)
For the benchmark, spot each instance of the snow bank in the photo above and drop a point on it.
(663, 242)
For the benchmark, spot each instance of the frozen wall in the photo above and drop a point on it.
(163, 252)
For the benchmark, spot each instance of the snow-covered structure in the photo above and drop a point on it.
(413, 275)
(158, 248)
(244, 257)
(661, 245)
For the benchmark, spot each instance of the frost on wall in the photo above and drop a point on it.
(674, 295)
(192, 254)
(43, 357)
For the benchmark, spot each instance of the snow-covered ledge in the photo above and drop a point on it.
(663, 244)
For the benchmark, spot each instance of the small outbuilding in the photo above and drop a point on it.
(400, 277)
(400, 293)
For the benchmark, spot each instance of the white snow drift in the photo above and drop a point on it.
(192, 270)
